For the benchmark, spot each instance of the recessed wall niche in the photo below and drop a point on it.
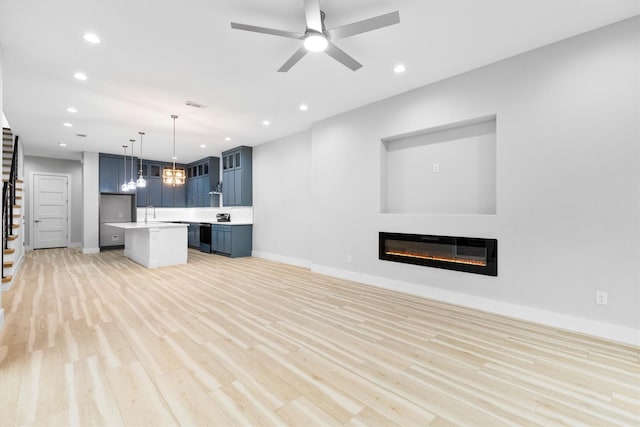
(448, 169)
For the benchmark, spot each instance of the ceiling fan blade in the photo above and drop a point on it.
(312, 14)
(297, 56)
(365, 25)
(341, 56)
(266, 30)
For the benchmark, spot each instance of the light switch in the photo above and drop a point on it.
(436, 167)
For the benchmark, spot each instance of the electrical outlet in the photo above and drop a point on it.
(602, 298)
(436, 167)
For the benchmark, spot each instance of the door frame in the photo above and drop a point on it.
(32, 195)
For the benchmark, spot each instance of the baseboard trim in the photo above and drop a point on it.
(298, 262)
(7, 286)
(90, 250)
(75, 245)
(549, 318)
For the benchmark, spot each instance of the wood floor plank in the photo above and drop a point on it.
(139, 401)
(96, 339)
(190, 403)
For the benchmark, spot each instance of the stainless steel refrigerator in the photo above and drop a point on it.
(115, 208)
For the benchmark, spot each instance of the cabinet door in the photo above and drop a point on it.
(198, 193)
(111, 168)
(154, 186)
(226, 242)
(205, 196)
(168, 194)
(191, 183)
(180, 196)
(228, 188)
(142, 196)
(238, 189)
(215, 238)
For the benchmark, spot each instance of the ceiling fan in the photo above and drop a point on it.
(317, 38)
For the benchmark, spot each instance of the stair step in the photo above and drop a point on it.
(7, 264)
(7, 279)
(12, 237)
(15, 226)
(17, 206)
(9, 251)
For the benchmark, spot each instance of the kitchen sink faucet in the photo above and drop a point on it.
(145, 212)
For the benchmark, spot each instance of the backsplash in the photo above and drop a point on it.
(242, 214)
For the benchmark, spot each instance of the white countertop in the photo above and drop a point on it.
(142, 225)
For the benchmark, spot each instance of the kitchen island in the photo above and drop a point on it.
(154, 244)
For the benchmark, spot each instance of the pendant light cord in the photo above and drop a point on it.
(140, 170)
(174, 117)
(132, 141)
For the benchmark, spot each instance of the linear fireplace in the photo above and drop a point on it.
(473, 255)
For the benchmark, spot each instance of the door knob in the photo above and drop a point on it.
(37, 220)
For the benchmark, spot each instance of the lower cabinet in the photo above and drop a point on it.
(231, 240)
(193, 233)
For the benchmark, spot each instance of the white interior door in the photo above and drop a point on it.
(50, 211)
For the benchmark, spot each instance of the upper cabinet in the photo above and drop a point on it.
(237, 177)
(152, 193)
(202, 179)
(112, 172)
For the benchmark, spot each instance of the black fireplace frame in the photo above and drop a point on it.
(491, 246)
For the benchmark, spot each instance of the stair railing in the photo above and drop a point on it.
(9, 200)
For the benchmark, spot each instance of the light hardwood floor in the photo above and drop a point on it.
(100, 340)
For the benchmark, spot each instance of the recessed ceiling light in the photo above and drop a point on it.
(400, 68)
(80, 76)
(62, 144)
(92, 38)
(304, 107)
(227, 138)
(203, 146)
(266, 122)
(72, 110)
(68, 125)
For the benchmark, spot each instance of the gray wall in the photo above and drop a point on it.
(282, 200)
(56, 166)
(567, 181)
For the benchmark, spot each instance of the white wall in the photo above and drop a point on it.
(56, 166)
(568, 187)
(450, 171)
(282, 199)
(90, 203)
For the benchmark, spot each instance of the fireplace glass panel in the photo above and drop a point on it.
(474, 255)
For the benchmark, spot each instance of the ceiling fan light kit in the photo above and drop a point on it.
(317, 38)
(315, 42)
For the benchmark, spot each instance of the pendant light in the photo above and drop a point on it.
(132, 183)
(173, 176)
(141, 183)
(124, 186)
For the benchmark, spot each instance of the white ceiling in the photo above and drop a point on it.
(157, 54)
